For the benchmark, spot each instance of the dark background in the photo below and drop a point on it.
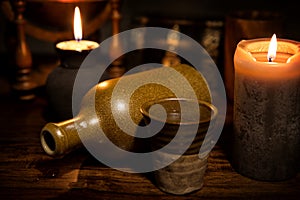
(179, 9)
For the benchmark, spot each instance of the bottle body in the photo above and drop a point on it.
(106, 106)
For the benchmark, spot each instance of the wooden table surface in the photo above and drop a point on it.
(27, 172)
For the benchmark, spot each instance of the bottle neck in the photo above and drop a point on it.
(58, 139)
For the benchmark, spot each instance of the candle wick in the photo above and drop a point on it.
(77, 39)
(270, 59)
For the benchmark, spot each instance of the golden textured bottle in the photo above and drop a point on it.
(107, 105)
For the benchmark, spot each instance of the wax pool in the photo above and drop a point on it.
(77, 45)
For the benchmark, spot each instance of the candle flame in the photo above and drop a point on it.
(77, 24)
(272, 48)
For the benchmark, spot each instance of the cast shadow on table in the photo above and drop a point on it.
(61, 166)
(98, 181)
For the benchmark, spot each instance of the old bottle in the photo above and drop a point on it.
(103, 104)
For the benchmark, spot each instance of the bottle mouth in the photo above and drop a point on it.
(50, 139)
(48, 142)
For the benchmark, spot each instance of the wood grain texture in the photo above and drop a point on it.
(26, 172)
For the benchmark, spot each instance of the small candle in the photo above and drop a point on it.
(78, 44)
(266, 142)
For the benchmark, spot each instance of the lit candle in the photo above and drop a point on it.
(266, 140)
(60, 82)
(78, 44)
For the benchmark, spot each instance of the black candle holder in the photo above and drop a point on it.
(59, 84)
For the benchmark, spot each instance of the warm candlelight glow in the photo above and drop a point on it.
(272, 48)
(78, 44)
(77, 24)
